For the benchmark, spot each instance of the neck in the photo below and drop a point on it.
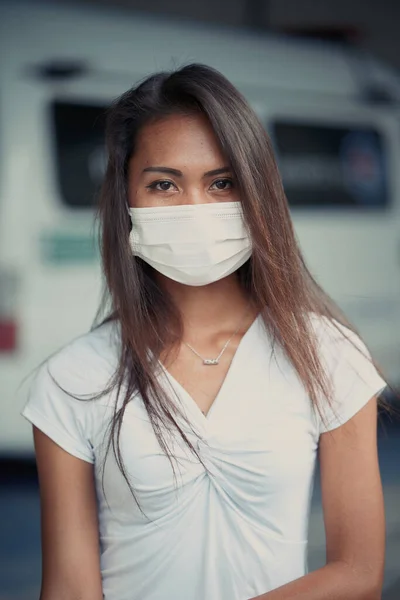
(210, 307)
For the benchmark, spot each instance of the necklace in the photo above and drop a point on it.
(215, 361)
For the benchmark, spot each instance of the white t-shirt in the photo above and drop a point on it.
(235, 530)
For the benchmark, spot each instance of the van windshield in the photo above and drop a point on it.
(327, 165)
(80, 151)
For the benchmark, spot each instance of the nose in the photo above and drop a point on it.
(196, 195)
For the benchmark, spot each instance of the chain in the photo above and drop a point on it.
(215, 361)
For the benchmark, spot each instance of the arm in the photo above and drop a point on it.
(353, 508)
(70, 544)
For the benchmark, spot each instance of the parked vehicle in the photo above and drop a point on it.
(334, 119)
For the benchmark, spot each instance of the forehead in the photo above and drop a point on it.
(178, 138)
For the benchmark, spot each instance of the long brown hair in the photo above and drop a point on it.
(275, 278)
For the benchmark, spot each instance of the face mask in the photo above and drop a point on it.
(192, 244)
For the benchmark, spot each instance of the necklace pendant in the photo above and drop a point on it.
(210, 361)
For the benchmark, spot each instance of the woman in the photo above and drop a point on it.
(176, 442)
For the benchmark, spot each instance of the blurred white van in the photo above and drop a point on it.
(333, 117)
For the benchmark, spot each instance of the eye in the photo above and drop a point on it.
(223, 184)
(161, 185)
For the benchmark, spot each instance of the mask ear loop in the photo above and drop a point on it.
(128, 210)
(131, 229)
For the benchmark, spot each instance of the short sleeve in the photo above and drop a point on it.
(64, 418)
(355, 380)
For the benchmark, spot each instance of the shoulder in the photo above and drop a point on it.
(59, 396)
(335, 339)
(327, 329)
(349, 366)
(342, 351)
(86, 362)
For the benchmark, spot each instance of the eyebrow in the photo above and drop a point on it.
(178, 173)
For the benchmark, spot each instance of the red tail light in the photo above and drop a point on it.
(8, 336)
(8, 301)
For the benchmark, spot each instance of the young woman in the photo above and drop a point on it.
(176, 442)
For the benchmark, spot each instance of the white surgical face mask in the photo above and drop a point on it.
(192, 244)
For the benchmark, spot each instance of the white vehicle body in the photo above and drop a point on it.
(305, 94)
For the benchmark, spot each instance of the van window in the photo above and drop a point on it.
(324, 166)
(80, 151)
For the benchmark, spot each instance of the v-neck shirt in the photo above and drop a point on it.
(182, 392)
(234, 525)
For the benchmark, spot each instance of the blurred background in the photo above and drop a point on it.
(324, 78)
